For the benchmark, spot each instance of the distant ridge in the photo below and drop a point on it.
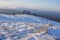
(52, 15)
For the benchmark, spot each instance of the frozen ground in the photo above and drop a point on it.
(19, 28)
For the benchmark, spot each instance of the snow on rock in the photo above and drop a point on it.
(21, 30)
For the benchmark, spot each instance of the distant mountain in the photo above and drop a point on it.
(53, 15)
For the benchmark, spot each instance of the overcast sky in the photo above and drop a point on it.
(34, 4)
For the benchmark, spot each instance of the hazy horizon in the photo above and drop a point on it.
(32, 4)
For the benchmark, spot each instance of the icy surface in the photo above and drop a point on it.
(23, 27)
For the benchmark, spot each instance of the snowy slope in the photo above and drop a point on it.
(18, 28)
(26, 18)
(20, 18)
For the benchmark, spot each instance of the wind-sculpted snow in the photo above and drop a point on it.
(26, 18)
(20, 18)
(22, 31)
(26, 27)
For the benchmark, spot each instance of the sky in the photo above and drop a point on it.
(33, 4)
